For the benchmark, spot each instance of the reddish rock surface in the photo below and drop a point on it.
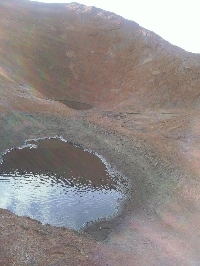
(145, 121)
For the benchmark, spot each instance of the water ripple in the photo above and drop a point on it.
(59, 184)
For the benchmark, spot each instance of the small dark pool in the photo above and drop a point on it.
(58, 183)
(76, 105)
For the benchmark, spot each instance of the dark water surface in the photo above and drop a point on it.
(58, 183)
(76, 105)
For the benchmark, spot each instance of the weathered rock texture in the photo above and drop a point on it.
(83, 53)
(145, 122)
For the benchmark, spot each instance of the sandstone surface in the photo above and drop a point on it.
(145, 121)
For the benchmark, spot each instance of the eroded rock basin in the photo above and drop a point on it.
(60, 184)
(76, 105)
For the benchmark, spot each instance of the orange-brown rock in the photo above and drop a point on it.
(145, 121)
(83, 53)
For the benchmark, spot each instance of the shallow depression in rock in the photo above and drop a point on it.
(58, 183)
(76, 105)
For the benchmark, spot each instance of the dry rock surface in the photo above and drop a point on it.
(145, 121)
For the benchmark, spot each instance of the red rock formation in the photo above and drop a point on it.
(145, 121)
(85, 54)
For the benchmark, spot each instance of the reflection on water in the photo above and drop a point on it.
(57, 183)
(76, 105)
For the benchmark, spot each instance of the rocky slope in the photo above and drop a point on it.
(145, 121)
(83, 53)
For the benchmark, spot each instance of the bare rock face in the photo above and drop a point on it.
(31, 244)
(144, 121)
(86, 54)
